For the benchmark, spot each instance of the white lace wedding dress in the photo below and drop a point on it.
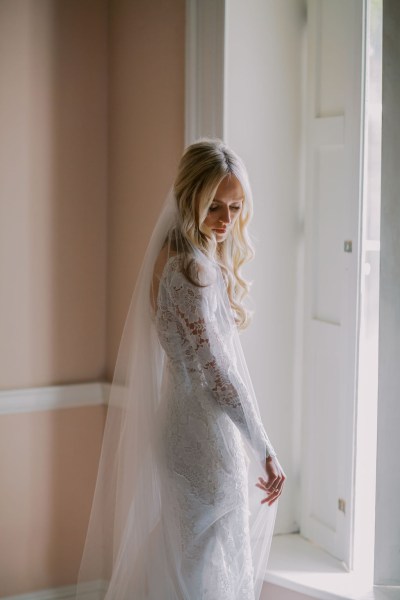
(176, 513)
(207, 413)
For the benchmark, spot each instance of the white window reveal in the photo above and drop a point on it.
(332, 270)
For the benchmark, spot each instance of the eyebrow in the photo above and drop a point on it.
(237, 200)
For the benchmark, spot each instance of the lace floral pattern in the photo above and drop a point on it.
(208, 411)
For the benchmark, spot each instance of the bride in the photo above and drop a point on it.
(186, 493)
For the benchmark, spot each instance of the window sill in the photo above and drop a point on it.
(301, 566)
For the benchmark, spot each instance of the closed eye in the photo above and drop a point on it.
(213, 208)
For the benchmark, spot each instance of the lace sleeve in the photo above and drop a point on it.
(205, 349)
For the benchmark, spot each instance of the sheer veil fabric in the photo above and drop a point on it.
(176, 514)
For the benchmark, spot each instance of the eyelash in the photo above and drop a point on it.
(213, 208)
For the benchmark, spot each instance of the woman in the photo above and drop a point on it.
(177, 511)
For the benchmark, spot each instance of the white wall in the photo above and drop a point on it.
(263, 77)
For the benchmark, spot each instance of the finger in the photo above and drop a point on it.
(263, 482)
(272, 496)
(272, 487)
(262, 486)
(270, 499)
(271, 484)
(266, 484)
(280, 484)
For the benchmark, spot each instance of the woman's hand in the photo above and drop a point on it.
(274, 482)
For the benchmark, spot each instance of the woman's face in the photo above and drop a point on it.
(225, 208)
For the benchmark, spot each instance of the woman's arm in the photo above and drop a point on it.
(205, 349)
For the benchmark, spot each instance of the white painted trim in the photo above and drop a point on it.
(53, 397)
(341, 131)
(91, 591)
(301, 566)
(204, 69)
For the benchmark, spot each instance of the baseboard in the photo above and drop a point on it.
(89, 591)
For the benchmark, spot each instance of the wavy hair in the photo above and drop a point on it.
(203, 166)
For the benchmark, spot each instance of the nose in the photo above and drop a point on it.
(226, 215)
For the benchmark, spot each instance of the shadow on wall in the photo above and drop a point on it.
(95, 128)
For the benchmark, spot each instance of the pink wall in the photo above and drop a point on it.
(92, 98)
(146, 137)
(48, 462)
(53, 189)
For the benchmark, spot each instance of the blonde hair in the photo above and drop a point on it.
(202, 167)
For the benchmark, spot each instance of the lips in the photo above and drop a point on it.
(220, 230)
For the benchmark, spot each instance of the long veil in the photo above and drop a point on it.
(127, 555)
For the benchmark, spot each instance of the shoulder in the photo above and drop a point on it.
(192, 272)
(193, 296)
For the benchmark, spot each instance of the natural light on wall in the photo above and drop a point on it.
(364, 518)
(306, 118)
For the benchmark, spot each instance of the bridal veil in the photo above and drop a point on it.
(131, 552)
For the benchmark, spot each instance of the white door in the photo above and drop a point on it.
(332, 223)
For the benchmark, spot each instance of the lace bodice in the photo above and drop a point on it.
(196, 333)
